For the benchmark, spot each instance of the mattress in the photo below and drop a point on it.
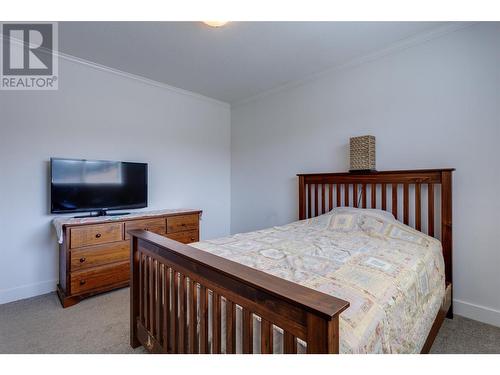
(392, 275)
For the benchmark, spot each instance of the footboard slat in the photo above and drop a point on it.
(290, 343)
(203, 338)
(166, 308)
(193, 324)
(152, 293)
(141, 291)
(230, 327)
(175, 311)
(247, 332)
(158, 301)
(145, 292)
(158, 304)
(216, 324)
(266, 337)
(187, 314)
(181, 318)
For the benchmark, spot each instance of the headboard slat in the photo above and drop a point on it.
(374, 195)
(384, 196)
(355, 195)
(406, 203)
(323, 198)
(430, 209)
(363, 195)
(309, 201)
(395, 200)
(330, 197)
(418, 207)
(316, 210)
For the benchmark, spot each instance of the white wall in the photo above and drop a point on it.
(97, 114)
(434, 105)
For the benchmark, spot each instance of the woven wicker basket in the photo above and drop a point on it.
(362, 153)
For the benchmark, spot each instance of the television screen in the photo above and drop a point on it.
(96, 185)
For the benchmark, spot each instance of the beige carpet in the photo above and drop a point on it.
(101, 325)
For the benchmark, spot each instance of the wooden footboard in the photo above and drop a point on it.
(181, 298)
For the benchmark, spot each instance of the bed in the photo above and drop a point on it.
(362, 271)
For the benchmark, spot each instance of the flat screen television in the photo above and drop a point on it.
(97, 185)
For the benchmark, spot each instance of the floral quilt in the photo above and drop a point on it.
(392, 275)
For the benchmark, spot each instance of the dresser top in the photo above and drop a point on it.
(61, 222)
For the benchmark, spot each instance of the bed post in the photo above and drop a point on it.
(446, 229)
(302, 198)
(134, 292)
(322, 335)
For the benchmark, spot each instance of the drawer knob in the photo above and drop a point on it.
(183, 224)
(98, 235)
(192, 239)
(83, 282)
(83, 259)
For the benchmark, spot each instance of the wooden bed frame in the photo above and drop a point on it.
(168, 276)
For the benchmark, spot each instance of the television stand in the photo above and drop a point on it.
(102, 213)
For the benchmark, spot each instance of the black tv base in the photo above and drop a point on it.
(102, 213)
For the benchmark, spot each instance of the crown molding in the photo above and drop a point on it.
(128, 75)
(139, 78)
(394, 48)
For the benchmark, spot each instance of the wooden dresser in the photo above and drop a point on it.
(94, 255)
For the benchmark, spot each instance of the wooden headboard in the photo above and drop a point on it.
(399, 192)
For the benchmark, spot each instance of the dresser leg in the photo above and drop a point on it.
(66, 301)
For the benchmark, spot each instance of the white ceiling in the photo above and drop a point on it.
(236, 61)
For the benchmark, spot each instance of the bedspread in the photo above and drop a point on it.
(392, 275)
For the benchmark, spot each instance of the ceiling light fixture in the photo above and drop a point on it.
(215, 23)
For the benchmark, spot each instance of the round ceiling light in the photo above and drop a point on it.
(215, 23)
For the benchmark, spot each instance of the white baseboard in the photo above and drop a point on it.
(477, 312)
(27, 291)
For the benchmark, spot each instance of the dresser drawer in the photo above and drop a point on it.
(95, 234)
(156, 225)
(99, 277)
(182, 223)
(184, 237)
(98, 255)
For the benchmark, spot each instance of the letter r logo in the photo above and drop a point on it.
(27, 49)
